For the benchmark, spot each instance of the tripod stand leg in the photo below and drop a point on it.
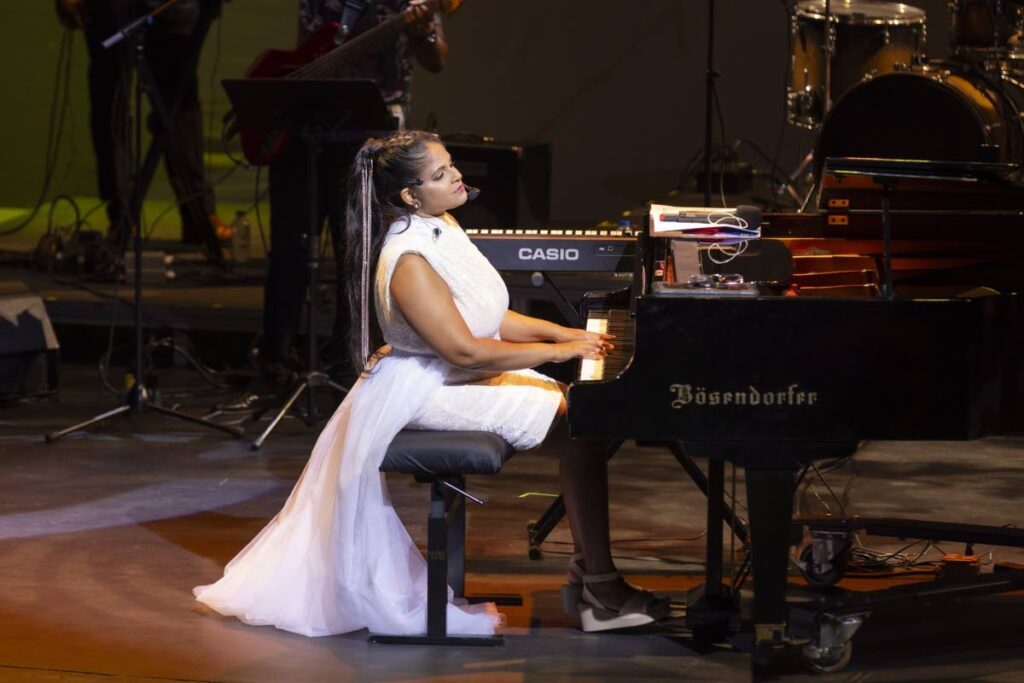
(697, 475)
(258, 442)
(233, 431)
(50, 437)
(537, 531)
(341, 389)
(790, 186)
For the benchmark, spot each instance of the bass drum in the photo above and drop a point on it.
(939, 114)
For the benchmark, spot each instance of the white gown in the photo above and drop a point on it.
(336, 558)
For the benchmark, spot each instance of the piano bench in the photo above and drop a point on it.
(443, 459)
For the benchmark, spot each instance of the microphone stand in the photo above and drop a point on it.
(138, 398)
(709, 95)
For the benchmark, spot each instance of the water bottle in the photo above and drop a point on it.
(240, 237)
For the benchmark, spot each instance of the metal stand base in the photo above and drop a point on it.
(308, 382)
(138, 402)
(712, 615)
(456, 641)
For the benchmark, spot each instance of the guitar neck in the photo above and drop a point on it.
(326, 66)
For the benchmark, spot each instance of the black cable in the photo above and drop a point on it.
(58, 112)
(723, 152)
(211, 122)
(227, 149)
(53, 205)
(184, 200)
(257, 198)
(206, 372)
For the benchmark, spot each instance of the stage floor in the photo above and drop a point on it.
(103, 535)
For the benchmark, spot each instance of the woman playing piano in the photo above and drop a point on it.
(449, 356)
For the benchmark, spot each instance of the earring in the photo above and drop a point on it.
(416, 206)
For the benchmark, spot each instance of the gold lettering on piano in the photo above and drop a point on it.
(689, 395)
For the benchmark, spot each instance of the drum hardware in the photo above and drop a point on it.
(793, 181)
(834, 46)
(947, 111)
(984, 29)
(835, 43)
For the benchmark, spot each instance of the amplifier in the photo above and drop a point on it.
(514, 182)
(28, 345)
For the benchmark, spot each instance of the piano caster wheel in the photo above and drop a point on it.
(828, 660)
(823, 575)
(534, 552)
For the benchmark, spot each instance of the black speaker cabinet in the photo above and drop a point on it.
(28, 345)
(514, 182)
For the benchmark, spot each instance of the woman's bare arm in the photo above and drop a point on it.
(426, 303)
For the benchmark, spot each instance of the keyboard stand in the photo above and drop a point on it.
(541, 280)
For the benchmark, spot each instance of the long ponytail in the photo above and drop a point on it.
(381, 170)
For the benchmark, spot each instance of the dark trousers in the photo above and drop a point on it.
(166, 53)
(288, 260)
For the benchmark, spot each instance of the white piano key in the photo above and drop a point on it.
(591, 369)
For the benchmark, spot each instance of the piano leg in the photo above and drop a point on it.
(712, 612)
(770, 501)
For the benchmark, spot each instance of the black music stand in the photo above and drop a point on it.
(890, 173)
(311, 109)
(139, 397)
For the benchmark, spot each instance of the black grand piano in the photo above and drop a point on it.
(773, 381)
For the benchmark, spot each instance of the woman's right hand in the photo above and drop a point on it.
(591, 348)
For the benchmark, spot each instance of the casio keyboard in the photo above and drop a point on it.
(556, 249)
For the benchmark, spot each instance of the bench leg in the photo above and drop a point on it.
(457, 539)
(439, 563)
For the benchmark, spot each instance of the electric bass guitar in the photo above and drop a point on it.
(319, 58)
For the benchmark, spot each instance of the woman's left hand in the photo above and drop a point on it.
(569, 334)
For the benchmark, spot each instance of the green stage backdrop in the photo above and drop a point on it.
(616, 88)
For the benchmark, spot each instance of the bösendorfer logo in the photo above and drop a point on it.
(689, 395)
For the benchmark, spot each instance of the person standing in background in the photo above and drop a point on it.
(390, 67)
(166, 52)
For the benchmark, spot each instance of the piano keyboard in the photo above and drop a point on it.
(619, 324)
(556, 249)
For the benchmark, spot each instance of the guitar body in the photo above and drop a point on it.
(261, 147)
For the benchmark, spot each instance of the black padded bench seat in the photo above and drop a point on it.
(443, 459)
(446, 454)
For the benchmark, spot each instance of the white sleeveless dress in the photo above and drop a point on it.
(336, 558)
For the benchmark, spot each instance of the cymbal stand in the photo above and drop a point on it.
(828, 51)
